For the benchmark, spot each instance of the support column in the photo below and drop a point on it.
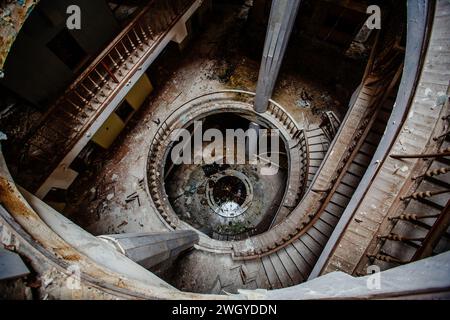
(152, 249)
(251, 145)
(281, 22)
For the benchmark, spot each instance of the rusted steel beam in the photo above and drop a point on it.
(412, 217)
(442, 153)
(424, 194)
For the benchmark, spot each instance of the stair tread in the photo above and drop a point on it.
(271, 273)
(290, 266)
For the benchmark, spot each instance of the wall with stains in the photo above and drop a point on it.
(33, 70)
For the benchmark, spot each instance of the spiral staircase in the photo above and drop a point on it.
(370, 189)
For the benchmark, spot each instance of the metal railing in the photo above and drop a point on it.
(69, 118)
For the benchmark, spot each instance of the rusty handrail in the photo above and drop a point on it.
(90, 68)
(100, 80)
(123, 81)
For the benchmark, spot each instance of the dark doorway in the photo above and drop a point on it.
(67, 49)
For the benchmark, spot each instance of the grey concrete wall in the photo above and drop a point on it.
(32, 70)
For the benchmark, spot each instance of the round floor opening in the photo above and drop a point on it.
(229, 189)
(229, 193)
(231, 197)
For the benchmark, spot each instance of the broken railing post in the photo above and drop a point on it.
(152, 249)
(281, 23)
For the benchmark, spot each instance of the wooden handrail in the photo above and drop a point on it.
(93, 65)
(111, 46)
(122, 83)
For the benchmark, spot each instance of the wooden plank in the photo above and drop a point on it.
(345, 189)
(323, 227)
(315, 163)
(372, 139)
(399, 250)
(438, 229)
(334, 209)
(271, 273)
(317, 140)
(351, 180)
(312, 171)
(329, 218)
(319, 156)
(318, 236)
(281, 271)
(309, 246)
(362, 159)
(308, 256)
(356, 170)
(378, 127)
(290, 266)
(318, 148)
(340, 200)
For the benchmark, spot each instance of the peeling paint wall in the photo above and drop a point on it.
(13, 15)
(33, 69)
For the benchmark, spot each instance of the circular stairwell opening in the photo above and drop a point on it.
(229, 193)
(226, 199)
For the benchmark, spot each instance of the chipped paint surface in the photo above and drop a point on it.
(13, 15)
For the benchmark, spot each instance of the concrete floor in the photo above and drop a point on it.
(189, 200)
(98, 199)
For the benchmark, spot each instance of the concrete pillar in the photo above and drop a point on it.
(281, 23)
(152, 249)
(251, 145)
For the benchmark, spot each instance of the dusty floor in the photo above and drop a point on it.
(189, 197)
(99, 200)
